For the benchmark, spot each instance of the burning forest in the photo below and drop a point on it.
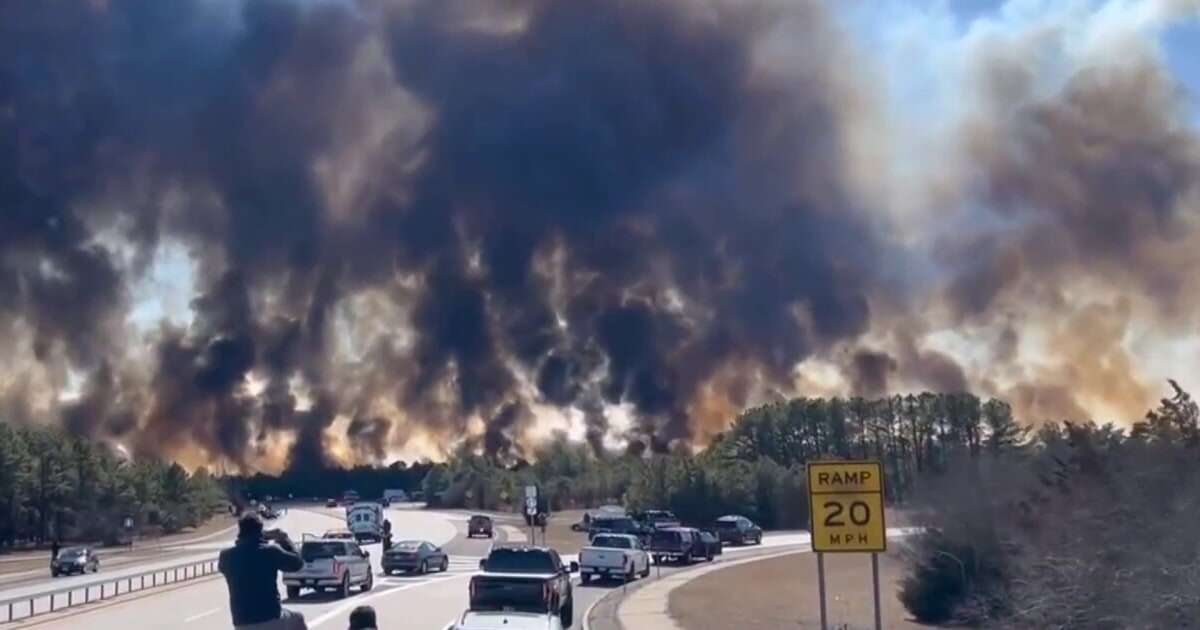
(292, 233)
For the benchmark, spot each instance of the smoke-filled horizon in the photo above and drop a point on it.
(299, 232)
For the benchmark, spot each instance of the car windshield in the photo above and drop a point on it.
(727, 525)
(660, 516)
(612, 542)
(519, 561)
(319, 550)
(479, 519)
(407, 545)
(71, 554)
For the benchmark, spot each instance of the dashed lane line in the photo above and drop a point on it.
(360, 600)
(199, 616)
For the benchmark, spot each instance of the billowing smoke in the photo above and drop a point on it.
(419, 222)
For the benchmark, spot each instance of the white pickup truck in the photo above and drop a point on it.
(334, 565)
(613, 555)
(507, 620)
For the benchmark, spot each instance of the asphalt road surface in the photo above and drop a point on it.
(428, 602)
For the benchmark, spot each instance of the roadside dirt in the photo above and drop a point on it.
(782, 593)
(559, 535)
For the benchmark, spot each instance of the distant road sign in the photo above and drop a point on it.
(846, 501)
(531, 505)
(531, 492)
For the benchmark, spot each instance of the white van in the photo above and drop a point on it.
(365, 521)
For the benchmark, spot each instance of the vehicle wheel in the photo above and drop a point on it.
(584, 578)
(709, 557)
(424, 567)
(629, 574)
(646, 571)
(344, 589)
(568, 613)
(293, 592)
(370, 583)
(445, 564)
(53, 573)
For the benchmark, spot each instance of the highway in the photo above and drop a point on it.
(428, 602)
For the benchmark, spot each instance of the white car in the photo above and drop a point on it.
(501, 620)
(618, 556)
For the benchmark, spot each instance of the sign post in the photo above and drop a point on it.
(821, 589)
(846, 507)
(531, 510)
(875, 582)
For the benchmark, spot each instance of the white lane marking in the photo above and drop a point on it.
(587, 614)
(514, 534)
(198, 616)
(360, 600)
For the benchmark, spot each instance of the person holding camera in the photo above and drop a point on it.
(251, 568)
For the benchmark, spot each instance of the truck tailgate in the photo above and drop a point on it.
(319, 568)
(595, 557)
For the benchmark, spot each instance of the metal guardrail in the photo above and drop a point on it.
(34, 604)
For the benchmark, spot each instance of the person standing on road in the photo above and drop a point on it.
(251, 568)
(54, 548)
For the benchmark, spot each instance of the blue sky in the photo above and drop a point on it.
(1182, 45)
(880, 22)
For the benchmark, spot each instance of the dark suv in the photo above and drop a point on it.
(480, 525)
(738, 530)
(679, 544)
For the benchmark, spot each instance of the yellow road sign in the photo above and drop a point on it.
(846, 502)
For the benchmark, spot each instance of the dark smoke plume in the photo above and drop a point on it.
(426, 219)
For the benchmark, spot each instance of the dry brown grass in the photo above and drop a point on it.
(782, 592)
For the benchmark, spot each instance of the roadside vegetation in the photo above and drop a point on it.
(1079, 526)
(756, 468)
(52, 484)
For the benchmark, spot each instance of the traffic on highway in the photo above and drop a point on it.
(430, 569)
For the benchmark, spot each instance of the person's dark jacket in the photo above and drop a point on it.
(251, 568)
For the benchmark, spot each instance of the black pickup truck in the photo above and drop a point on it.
(526, 579)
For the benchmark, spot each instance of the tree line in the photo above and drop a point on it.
(756, 468)
(53, 485)
(323, 483)
(1083, 525)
